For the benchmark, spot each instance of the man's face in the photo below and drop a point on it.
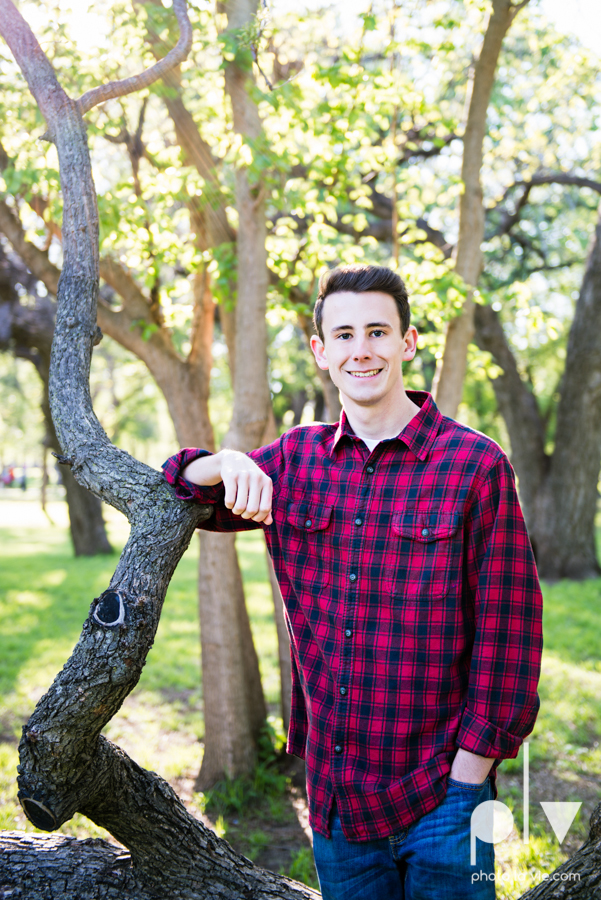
(363, 347)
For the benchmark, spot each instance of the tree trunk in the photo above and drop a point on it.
(27, 331)
(330, 391)
(250, 415)
(564, 532)
(519, 409)
(86, 522)
(448, 383)
(234, 705)
(251, 390)
(559, 492)
(62, 868)
(580, 877)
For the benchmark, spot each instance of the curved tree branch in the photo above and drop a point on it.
(149, 76)
(448, 381)
(508, 220)
(35, 259)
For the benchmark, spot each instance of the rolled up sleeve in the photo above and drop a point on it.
(502, 702)
(268, 458)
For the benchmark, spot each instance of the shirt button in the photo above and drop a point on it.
(308, 523)
(358, 521)
(343, 691)
(425, 532)
(347, 632)
(352, 577)
(337, 749)
(370, 470)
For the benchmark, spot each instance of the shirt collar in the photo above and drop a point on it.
(418, 435)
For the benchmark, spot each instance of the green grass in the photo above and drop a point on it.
(564, 748)
(45, 595)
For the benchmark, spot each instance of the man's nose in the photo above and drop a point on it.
(361, 348)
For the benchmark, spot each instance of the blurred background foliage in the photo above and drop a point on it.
(352, 117)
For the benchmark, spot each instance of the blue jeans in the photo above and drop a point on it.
(428, 860)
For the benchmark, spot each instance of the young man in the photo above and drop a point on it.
(412, 602)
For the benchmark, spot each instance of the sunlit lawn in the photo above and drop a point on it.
(45, 595)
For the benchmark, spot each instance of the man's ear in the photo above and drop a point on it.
(410, 339)
(319, 351)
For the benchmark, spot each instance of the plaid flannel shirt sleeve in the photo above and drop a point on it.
(502, 702)
(268, 458)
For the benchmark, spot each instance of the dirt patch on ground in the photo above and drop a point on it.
(275, 834)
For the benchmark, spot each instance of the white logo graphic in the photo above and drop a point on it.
(492, 821)
(560, 816)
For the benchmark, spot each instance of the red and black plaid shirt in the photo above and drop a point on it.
(413, 608)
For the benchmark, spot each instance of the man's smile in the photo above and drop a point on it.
(369, 374)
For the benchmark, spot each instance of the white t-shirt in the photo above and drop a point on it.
(371, 444)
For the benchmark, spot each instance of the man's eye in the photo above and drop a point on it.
(377, 332)
(344, 336)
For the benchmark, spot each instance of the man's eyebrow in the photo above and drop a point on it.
(369, 325)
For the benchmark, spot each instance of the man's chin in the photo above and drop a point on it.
(363, 398)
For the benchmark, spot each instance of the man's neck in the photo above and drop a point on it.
(382, 421)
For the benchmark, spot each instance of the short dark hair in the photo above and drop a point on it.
(358, 278)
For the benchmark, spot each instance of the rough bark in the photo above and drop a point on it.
(62, 868)
(234, 706)
(558, 491)
(65, 763)
(26, 330)
(448, 384)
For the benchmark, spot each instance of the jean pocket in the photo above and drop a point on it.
(466, 785)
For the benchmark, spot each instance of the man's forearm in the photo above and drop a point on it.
(205, 470)
(470, 767)
(248, 490)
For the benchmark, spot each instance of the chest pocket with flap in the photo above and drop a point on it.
(425, 553)
(308, 542)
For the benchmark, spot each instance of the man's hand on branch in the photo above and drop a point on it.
(248, 490)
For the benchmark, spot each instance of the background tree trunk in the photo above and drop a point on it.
(250, 416)
(86, 522)
(558, 491)
(448, 382)
(564, 531)
(27, 332)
